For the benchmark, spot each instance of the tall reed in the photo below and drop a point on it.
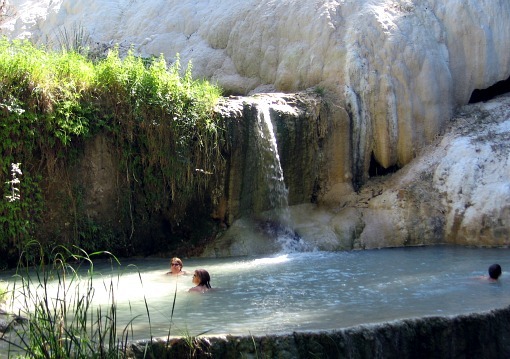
(60, 319)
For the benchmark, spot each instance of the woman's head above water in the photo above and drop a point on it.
(201, 280)
(494, 271)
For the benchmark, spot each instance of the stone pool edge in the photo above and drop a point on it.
(475, 335)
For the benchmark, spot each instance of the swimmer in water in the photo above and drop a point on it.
(176, 267)
(494, 272)
(201, 280)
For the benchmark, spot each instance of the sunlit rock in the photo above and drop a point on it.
(393, 72)
(456, 191)
(398, 67)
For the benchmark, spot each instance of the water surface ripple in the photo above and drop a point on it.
(307, 291)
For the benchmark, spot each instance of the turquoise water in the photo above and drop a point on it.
(309, 291)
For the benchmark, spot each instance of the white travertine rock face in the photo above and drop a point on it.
(399, 66)
(474, 176)
(457, 191)
(397, 70)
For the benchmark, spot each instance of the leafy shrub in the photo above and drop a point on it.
(161, 122)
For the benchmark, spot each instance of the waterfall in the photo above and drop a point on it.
(277, 191)
(271, 165)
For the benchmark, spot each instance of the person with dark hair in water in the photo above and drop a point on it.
(201, 280)
(494, 272)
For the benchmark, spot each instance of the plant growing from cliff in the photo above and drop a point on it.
(159, 119)
(165, 127)
(15, 217)
(3, 293)
(11, 216)
(319, 91)
(14, 195)
(76, 39)
(37, 122)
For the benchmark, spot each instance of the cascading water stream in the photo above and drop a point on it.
(277, 190)
(278, 193)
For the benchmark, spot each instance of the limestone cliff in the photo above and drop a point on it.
(394, 73)
(400, 67)
(456, 191)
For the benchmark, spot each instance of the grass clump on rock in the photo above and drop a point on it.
(157, 117)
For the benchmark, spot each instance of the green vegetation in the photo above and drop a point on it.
(158, 119)
(3, 293)
(59, 319)
(319, 91)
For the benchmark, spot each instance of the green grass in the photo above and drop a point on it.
(60, 319)
(159, 119)
(3, 293)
